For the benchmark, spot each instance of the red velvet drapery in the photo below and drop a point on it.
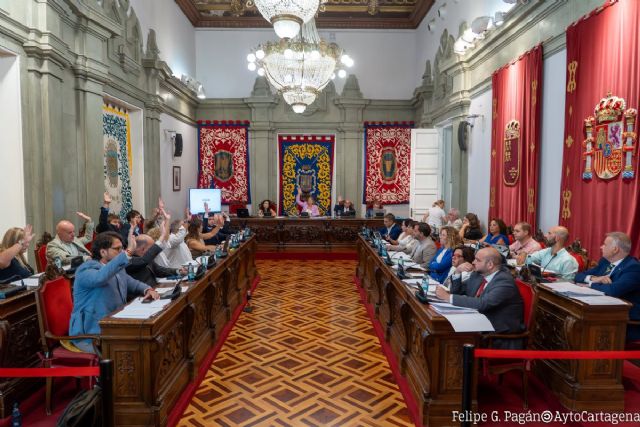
(603, 57)
(515, 134)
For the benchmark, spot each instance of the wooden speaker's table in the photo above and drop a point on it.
(155, 359)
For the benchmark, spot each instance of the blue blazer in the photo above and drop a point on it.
(439, 270)
(98, 290)
(395, 231)
(625, 284)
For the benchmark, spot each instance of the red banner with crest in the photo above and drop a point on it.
(515, 139)
(387, 173)
(223, 159)
(600, 189)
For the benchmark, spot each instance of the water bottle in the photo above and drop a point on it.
(218, 252)
(58, 262)
(191, 273)
(425, 283)
(16, 416)
(384, 251)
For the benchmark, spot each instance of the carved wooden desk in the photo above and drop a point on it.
(316, 233)
(155, 359)
(428, 351)
(565, 324)
(19, 346)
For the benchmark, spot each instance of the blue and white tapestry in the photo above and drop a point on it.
(117, 158)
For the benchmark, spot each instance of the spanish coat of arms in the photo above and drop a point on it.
(610, 140)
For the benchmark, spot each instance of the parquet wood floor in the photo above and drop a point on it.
(306, 356)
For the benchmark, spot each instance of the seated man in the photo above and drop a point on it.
(215, 228)
(66, 245)
(524, 244)
(618, 275)
(102, 286)
(555, 257)
(177, 253)
(492, 291)
(425, 250)
(391, 230)
(107, 221)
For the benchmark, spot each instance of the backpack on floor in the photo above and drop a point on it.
(84, 410)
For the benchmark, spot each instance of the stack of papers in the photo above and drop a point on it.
(137, 310)
(572, 290)
(29, 282)
(600, 300)
(463, 319)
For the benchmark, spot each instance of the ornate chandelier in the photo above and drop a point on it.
(287, 16)
(300, 68)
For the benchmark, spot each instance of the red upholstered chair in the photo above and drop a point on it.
(41, 258)
(54, 305)
(234, 206)
(501, 366)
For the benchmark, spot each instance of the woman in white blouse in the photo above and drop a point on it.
(405, 240)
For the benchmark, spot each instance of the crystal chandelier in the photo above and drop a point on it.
(300, 68)
(287, 16)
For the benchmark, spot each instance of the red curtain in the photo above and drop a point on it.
(603, 57)
(515, 139)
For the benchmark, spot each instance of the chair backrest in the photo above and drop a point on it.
(54, 304)
(41, 258)
(580, 259)
(528, 296)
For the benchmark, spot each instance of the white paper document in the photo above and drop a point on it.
(137, 310)
(572, 290)
(164, 291)
(29, 282)
(463, 319)
(599, 300)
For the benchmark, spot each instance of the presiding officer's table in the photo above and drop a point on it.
(314, 233)
(428, 351)
(155, 359)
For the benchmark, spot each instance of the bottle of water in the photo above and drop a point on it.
(16, 416)
(425, 283)
(58, 262)
(384, 251)
(191, 275)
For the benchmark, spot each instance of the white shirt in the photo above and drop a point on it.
(176, 253)
(487, 280)
(436, 216)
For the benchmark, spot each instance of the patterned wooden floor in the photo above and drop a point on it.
(306, 356)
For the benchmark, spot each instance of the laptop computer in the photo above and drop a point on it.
(242, 213)
(378, 213)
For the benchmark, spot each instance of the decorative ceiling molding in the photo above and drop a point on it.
(342, 14)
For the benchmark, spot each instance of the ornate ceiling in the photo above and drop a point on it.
(336, 14)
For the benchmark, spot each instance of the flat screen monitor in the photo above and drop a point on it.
(199, 196)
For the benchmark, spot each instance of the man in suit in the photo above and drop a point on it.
(618, 275)
(102, 285)
(492, 291)
(425, 250)
(390, 229)
(66, 245)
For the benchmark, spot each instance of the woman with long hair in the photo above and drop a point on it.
(12, 249)
(470, 229)
(497, 234)
(266, 208)
(308, 205)
(195, 239)
(441, 263)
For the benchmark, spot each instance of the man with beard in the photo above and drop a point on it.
(555, 257)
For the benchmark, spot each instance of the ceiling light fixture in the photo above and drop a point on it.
(287, 16)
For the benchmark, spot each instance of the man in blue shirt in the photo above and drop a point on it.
(102, 286)
(390, 228)
(618, 275)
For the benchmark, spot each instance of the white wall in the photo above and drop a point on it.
(174, 33)
(176, 201)
(384, 60)
(11, 162)
(552, 135)
(480, 157)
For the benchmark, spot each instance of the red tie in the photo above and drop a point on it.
(481, 288)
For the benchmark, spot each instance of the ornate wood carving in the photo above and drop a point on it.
(126, 365)
(172, 344)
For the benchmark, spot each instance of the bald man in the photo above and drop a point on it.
(66, 245)
(492, 291)
(555, 257)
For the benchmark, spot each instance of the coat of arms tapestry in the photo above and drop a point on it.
(600, 190)
(116, 131)
(305, 162)
(515, 139)
(387, 170)
(223, 159)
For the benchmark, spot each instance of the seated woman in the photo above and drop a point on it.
(195, 239)
(376, 205)
(266, 208)
(309, 205)
(12, 249)
(470, 230)
(461, 263)
(441, 263)
(405, 240)
(497, 233)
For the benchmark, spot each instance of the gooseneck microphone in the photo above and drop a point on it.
(548, 262)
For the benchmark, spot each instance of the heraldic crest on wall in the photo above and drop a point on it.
(511, 153)
(610, 140)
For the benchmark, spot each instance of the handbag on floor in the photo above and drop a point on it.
(84, 410)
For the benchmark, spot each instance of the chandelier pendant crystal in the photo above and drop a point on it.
(287, 16)
(301, 67)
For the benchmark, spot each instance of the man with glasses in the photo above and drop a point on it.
(102, 286)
